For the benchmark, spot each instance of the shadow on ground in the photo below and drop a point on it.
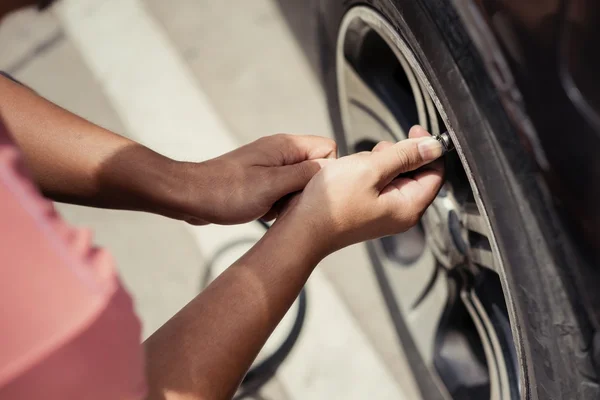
(302, 20)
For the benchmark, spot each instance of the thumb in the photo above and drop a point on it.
(294, 177)
(404, 156)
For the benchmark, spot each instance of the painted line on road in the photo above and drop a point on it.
(159, 102)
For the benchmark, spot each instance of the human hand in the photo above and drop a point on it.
(244, 185)
(360, 197)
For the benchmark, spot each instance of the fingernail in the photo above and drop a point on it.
(430, 149)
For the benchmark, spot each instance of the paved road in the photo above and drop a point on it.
(204, 77)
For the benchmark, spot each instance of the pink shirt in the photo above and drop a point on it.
(67, 327)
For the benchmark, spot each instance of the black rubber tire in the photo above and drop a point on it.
(556, 333)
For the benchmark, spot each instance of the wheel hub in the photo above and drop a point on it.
(444, 232)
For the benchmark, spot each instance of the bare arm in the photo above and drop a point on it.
(205, 349)
(75, 161)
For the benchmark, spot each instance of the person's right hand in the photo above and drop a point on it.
(360, 197)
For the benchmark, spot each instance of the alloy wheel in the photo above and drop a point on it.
(446, 276)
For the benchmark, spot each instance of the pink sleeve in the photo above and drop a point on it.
(68, 329)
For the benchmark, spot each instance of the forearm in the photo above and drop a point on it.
(204, 351)
(75, 161)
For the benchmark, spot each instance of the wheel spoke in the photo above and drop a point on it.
(362, 97)
(485, 341)
(483, 257)
(410, 283)
(479, 251)
(424, 319)
(474, 221)
(499, 382)
(421, 292)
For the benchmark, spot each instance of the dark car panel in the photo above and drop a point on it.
(549, 48)
(580, 59)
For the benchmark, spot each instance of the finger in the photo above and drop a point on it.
(418, 131)
(406, 155)
(413, 195)
(430, 181)
(197, 221)
(293, 149)
(381, 146)
(293, 178)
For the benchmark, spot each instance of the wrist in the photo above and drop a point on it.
(137, 179)
(184, 191)
(159, 186)
(301, 237)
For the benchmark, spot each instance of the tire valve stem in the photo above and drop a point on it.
(444, 139)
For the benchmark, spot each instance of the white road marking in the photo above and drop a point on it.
(159, 102)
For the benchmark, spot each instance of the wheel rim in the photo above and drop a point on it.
(445, 274)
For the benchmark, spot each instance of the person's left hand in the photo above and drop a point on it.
(246, 184)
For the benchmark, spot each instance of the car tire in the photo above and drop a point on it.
(554, 333)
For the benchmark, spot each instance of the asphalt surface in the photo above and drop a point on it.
(205, 77)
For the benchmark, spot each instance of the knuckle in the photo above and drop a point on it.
(276, 146)
(403, 155)
(278, 139)
(280, 136)
(267, 142)
(382, 145)
(408, 154)
(265, 139)
(332, 144)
